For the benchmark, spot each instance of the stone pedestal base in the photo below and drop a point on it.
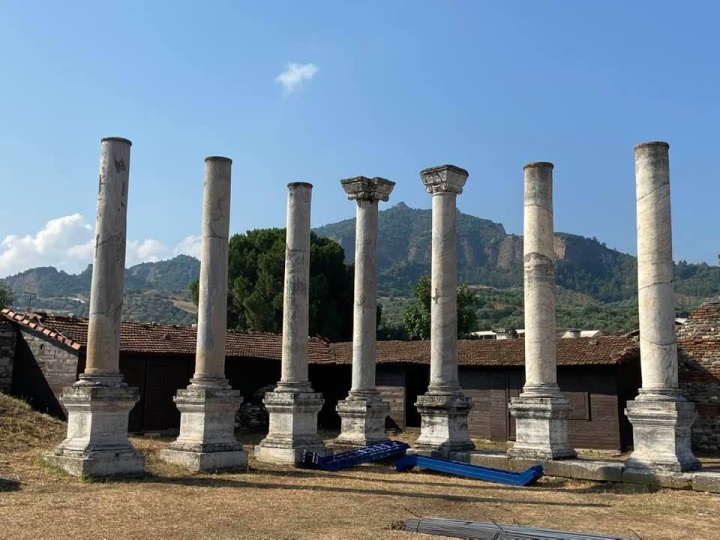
(97, 442)
(444, 424)
(362, 418)
(541, 428)
(293, 426)
(661, 436)
(207, 430)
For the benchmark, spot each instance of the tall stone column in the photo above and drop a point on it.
(207, 407)
(293, 406)
(660, 415)
(444, 409)
(99, 404)
(363, 413)
(541, 411)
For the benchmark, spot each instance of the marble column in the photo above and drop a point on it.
(293, 406)
(541, 411)
(99, 404)
(444, 409)
(661, 417)
(363, 413)
(207, 406)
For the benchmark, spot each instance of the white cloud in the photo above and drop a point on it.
(189, 246)
(61, 242)
(149, 250)
(68, 243)
(295, 74)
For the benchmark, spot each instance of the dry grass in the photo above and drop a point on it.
(275, 502)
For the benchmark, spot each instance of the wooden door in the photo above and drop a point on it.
(163, 378)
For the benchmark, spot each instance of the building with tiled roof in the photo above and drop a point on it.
(597, 374)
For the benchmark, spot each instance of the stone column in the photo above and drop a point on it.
(293, 406)
(444, 409)
(541, 411)
(363, 413)
(207, 407)
(660, 415)
(99, 404)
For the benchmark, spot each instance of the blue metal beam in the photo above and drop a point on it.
(345, 460)
(488, 474)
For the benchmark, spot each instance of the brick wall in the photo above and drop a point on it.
(8, 336)
(699, 356)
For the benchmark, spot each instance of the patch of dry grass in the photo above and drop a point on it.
(365, 502)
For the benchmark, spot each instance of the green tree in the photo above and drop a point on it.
(256, 274)
(417, 316)
(7, 296)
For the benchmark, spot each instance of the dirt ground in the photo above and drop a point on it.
(275, 502)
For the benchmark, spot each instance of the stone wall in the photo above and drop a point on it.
(8, 336)
(43, 368)
(699, 355)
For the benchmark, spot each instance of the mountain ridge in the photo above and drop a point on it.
(489, 258)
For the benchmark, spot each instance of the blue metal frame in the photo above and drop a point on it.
(488, 474)
(345, 460)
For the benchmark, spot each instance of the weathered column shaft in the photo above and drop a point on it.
(363, 413)
(213, 284)
(443, 308)
(297, 283)
(365, 307)
(539, 281)
(108, 275)
(444, 409)
(661, 417)
(541, 411)
(293, 406)
(99, 404)
(658, 349)
(207, 407)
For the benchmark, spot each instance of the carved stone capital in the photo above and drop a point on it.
(371, 189)
(444, 179)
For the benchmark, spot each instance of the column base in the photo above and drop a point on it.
(661, 435)
(444, 423)
(207, 430)
(362, 417)
(293, 426)
(97, 442)
(541, 427)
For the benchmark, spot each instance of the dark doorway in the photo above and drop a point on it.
(163, 378)
(418, 379)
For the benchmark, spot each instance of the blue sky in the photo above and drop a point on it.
(390, 88)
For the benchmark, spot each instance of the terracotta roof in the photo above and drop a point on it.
(149, 338)
(140, 338)
(600, 350)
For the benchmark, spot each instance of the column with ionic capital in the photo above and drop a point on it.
(363, 413)
(660, 415)
(207, 407)
(541, 411)
(444, 409)
(293, 406)
(99, 404)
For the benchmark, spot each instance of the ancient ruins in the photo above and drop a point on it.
(661, 416)
(207, 407)
(443, 408)
(363, 413)
(293, 406)
(541, 411)
(99, 403)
